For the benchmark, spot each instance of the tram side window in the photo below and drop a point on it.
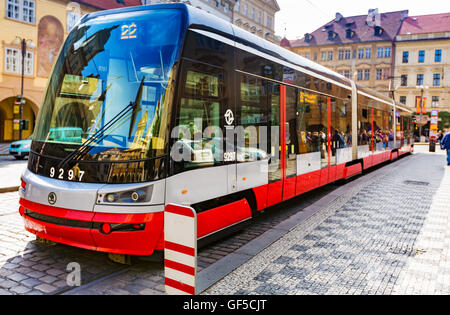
(199, 136)
(379, 129)
(343, 124)
(363, 125)
(253, 120)
(310, 130)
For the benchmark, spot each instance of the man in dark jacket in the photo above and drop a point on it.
(445, 144)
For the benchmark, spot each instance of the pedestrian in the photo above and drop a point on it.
(440, 137)
(445, 145)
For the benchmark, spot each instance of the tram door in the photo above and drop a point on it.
(283, 143)
(276, 93)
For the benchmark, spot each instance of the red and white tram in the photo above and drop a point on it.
(162, 104)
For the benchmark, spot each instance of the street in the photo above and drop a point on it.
(386, 232)
(10, 171)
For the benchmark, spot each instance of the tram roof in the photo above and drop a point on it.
(201, 20)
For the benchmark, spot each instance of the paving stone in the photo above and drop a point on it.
(365, 242)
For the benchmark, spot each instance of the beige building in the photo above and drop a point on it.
(423, 62)
(257, 16)
(220, 8)
(359, 47)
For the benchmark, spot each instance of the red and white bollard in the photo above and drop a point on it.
(180, 250)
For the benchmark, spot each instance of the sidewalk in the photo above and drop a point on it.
(10, 172)
(4, 148)
(386, 234)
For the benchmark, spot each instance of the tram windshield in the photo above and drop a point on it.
(107, 92)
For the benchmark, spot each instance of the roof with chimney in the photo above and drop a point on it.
(423, 24)
(372, 27)
(109, 4)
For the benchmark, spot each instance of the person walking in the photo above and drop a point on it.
(445, 145)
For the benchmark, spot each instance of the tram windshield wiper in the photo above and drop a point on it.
(100, 134)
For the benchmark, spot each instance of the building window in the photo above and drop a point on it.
(360, 53)
(438, 55)
(13, 61)
(347, 74)
(435, 101)
(238, 6)
(245, 9)
(307, 55)
(330, 55)
(403, 100)
(419, 80)
(379, 74)
(368, 53)
(348, 54)
(437, 79)
(383, 74)
(269, 22)
(387, 52)
(421, 56)
(404, 80)
(367, 75)
(359, 75)
(21, 10)
(324, 56)
(380, 53)
(341, 55)
(253, 14)
(405, 57)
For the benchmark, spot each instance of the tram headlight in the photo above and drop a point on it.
(111, 197)
(136, 195)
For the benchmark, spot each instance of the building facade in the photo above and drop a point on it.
(257, 16)
(220, 8)
(358, 47)
(43, 26)
(423, 62)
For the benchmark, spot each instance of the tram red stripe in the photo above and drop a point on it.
(187, 212)
(179, 248)
(180, 286)
(179, 267)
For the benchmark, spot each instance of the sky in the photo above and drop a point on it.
(298, 17)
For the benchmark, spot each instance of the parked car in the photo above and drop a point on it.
(20, 149)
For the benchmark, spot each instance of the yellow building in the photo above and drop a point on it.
(423, 62)
(42, 25)
(360, 48)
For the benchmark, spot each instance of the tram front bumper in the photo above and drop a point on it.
(130, 234)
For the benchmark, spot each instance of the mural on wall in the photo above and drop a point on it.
(50, 39)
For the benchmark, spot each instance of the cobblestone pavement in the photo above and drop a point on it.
(388, 236)
(28, 267)
(347, 245)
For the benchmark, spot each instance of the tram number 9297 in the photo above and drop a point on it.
(69, 175)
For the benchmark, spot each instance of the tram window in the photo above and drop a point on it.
(291, 131)
(379, 129)
(205, 49)
(251, 63)
(341, 132)
(253, 120)
(198, 133)
(309, 128)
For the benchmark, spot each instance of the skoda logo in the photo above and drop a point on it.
(52, 198)
(229, 117)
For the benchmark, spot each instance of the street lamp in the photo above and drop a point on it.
(422, 89)
(24, 43)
